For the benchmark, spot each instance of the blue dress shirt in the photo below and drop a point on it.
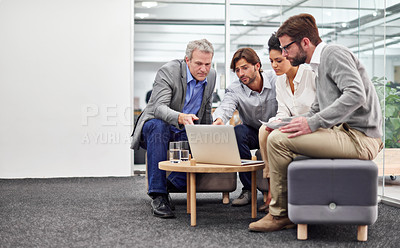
(194, 94)
(193, 98)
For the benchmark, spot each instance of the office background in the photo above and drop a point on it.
(72, 73)
(369, 28)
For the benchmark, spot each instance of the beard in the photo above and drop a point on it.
(300, 58)
(251, 79)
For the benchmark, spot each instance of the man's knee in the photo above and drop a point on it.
(157, 130)
(241, 132)
(275, 138)
(240, 128)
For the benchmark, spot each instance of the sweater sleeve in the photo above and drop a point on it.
(341, 86)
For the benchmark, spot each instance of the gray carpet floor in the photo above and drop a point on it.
(115, 212)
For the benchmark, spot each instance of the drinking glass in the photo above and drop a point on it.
(184, 151)
(174, 152)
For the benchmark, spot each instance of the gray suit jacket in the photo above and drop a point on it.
(168, 98)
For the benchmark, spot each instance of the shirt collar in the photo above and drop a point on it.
(316, 57)
(299, 74)
(297, 78)
(266, 82)
(246, 89)
(190, 78)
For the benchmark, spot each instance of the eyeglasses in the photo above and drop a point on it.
(287, 46)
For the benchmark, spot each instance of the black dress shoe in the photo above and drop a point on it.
(160, 207)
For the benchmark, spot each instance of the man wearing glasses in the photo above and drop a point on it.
(284, 48)
(344, 121)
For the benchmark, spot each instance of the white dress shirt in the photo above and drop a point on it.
(290, 104)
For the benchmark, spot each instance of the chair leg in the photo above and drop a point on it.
(225, 197)
(302, 231)
(362, 233)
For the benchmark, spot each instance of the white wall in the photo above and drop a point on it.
(65, 83)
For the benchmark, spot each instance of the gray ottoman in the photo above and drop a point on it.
(332, 191)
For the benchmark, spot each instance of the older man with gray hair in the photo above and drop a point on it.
(181, 95)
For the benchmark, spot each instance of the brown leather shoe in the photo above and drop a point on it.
(271, 223)
(264, 208)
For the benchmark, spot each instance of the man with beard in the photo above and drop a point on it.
(344, 121)
(253, 95)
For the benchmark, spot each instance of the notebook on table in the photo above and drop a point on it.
(215, 144)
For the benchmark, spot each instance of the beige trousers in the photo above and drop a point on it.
(262, 139)
(336, 142)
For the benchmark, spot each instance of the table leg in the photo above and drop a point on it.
(192, 199)
(188, 193)
(253, 195)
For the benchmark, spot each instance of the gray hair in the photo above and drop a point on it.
(202, 45)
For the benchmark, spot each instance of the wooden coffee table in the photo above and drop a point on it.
(191, 170)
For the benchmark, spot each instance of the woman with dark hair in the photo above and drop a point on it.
(295, 92)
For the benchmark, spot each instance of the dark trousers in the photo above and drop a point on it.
(156, 135)
(247, 139)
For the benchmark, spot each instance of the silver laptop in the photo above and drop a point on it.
(215, 144)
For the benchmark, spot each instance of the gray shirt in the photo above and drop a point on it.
(252, 106)
(345, 94)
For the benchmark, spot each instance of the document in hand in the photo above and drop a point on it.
(277, 123)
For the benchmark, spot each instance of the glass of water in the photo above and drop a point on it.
(184, 151)
(174, 152)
